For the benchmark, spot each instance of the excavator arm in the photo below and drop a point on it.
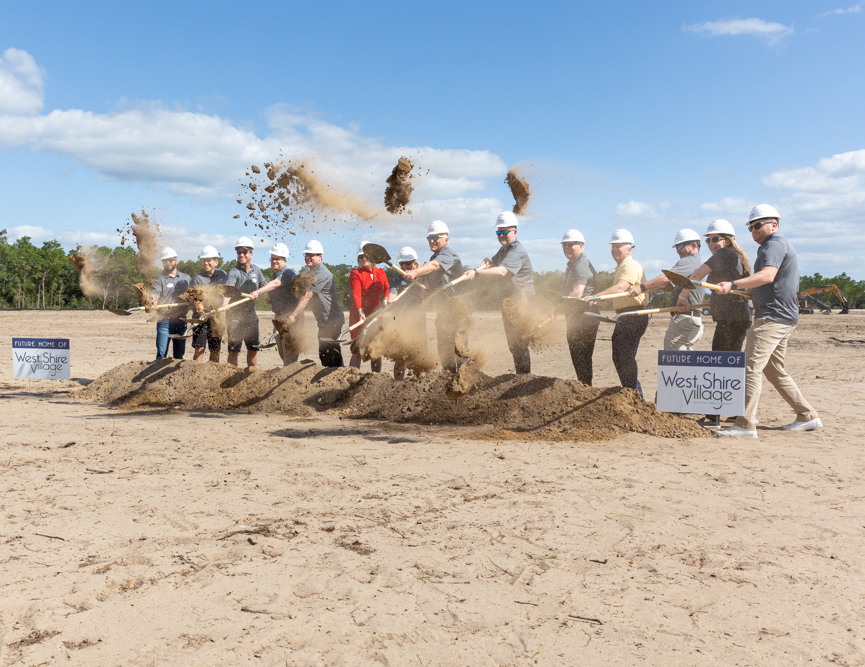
(808, 298)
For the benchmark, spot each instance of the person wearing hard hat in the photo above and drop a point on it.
(410, 314)
(730, 312)
(282, 301)
(442, 268)
(368, 284)
(323, 299)
(513, 268)
(580, 280)
(167, 287)
(774, 289)
(685, 329)
(208, 278)
(628, 330)
(242, 320)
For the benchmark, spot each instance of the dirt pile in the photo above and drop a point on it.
(399, 187)
(289, 196)
(519, 189)
(506, 407)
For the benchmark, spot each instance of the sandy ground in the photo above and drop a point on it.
(212, 538)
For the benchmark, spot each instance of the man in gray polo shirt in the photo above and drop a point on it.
(210, 277)
(580, 280)
(774, 289)
(167, 287)
(282, 300)
(685, 329)
(242, 320)
(513, 268)
(323, 299)
(443, 268)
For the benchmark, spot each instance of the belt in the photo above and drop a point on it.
(699, 316)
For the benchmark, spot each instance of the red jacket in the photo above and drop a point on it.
(367, 290)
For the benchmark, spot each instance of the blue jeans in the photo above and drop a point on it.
(175, 328)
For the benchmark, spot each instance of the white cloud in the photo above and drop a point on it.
(735, 208)
(855, 9)
(770, 31)
(635, 209)
(21, 87)
(844, 172)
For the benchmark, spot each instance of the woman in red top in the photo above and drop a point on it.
(369, 286)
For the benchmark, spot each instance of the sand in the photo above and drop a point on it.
(141, 535)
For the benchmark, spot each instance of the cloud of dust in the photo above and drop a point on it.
(292, 335)
(88, 278)
(147, 239)
(398, 336)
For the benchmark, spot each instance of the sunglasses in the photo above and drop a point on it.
(244, 251)
(503, 232)
(435, 237)
(714, 239)
(682, 246)
(756, 225)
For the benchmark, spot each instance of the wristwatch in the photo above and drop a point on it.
(733, 285)
(642, 287)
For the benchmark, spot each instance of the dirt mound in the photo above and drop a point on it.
(399, 187)
(523, 407)
(519, 189)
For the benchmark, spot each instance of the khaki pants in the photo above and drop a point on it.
(765, 347)
(683, 332)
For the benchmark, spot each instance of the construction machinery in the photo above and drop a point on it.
(808, 301)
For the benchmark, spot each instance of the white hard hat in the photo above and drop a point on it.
(573, 236)
(761, 211)
(280, 250)
(407, 254)
(437, 227)
(720, 227)
(506, 219)
(686, 236)
(168, 253)
(313, 248)
(208, 252)
(622, 236)
(244, 242)
(360, 250)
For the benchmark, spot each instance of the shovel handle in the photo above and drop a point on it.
(229, 306)
(715, 288)
(171, 305)
(605, 297)
(403, 274)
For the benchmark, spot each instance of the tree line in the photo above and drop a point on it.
(43, 277)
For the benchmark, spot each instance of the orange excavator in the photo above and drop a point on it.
(808, 300)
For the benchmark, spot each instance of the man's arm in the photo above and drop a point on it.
(298, 309)
(423, 270)
(654, 284)
(703, 271)
(764, 276)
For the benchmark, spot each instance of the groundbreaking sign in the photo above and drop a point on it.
(701, 382)
(40, 358)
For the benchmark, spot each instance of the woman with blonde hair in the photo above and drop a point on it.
(731, 313)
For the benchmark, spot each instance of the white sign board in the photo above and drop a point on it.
(40, 358)
(701, 382)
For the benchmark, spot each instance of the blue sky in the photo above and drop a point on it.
(647, 116)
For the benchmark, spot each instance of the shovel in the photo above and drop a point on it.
(271, 342)
(378, 255)
(185, 334)
(646, 311)
(207, 315)
(686, 283)
(129, 311)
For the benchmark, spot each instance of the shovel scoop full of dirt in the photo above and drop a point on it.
(519, 189)
(301, 283)
(289, 334)
(142, 293)
(399, 187)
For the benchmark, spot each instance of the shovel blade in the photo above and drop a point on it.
(603, 318)
(119, 311)
(230, 291)
(679, 280)
(376, 253)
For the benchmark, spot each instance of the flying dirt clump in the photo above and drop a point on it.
(301, 283)
(289, 196)
(88, 279)
(146, 235)
(517, 407)
(519, 189)
(399, 187)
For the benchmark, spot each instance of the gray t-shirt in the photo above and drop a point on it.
(520, 278)
(281, 299)
(325, 301)
(451, 268)
(201, 278)
(580, 272)
(169, 288)
(685, 267)
(247, 282)
(727, 267)
(779, 300)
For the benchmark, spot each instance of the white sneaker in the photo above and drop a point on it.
(737, 432)
(812, 425)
